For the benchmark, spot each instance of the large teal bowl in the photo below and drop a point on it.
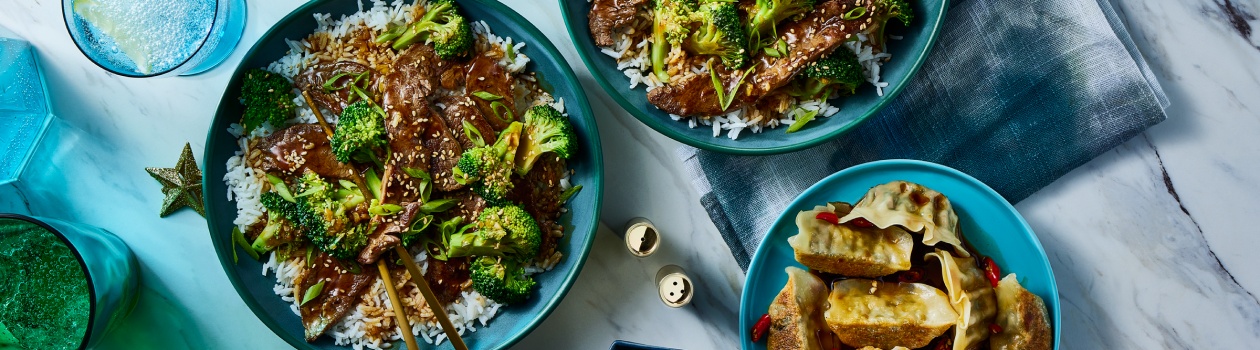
(512, 323)
(908, 54)
(991, 225)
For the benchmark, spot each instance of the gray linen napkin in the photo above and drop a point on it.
(1015, 93)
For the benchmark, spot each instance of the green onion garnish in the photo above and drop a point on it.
(438, 206)
(239, 238)
(801, 120)
(473, 134)
(506, 115)
(312, 292)
(855, 13)
(280, 188)
(569, 193)
(486, 95)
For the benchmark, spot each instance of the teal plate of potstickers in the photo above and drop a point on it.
(513, 322)
(988, 224)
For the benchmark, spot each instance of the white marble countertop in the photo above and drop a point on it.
(1152, 244)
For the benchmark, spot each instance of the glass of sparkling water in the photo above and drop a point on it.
(64, 285)
(24, 107)
(145, 38)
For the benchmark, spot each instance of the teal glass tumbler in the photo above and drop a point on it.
(108, 265)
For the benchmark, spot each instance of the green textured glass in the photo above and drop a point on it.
(65, 284)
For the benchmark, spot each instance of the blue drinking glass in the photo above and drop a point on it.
(24, 109)
(65, 284)
(146, 38)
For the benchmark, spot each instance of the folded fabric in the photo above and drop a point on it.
(1015, 93)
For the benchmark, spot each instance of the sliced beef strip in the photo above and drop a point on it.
(460, 109)
(313, 79)
(418, 138)
(340, 293)
(539, 190)
(447, 278)
(298, 148)
(388, 228)
(609, 16)
(693, 95)
(485, 74)
(469, 205)
(820, 32)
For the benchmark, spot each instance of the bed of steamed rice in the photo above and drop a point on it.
(631, 52)
(245, 184)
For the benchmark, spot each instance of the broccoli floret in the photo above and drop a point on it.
(321, 217)
(268, 97)
(501, 280)
(887, 10)
(545, 130)
(721, 34)
(767, 14)
(499, 231)
(839, 73)
(442, 25)
(278, 210)
(489, 169)
(671, 23)
(360, 131)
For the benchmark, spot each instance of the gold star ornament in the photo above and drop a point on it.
(181, 184)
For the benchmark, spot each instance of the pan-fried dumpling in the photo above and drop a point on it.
(971, 295)
(849, 250)
(888, 314)
(1023, 317)
(914, 207)
(796, 314)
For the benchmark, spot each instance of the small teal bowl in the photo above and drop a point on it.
(513, 322)
(908, 55)
(990, 224)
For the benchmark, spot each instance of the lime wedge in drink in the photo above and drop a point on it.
(111, 20)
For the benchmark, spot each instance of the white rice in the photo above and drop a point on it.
(246, 185)
(633, 60)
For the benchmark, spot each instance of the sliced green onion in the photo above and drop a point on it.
(384, 209)
(280, 188)
(723, 99)
(354, 268)
(473, 134)
(801, 120)
(569, 193)
(310, 255)
(425, 181)
(312, 292)
(772, 52)
(373, 183)
(239, 238)
(783, 47)
(855, 13)
(510, 53)
(486, 95)
(438, 206)
(496, 105)
(328, 84)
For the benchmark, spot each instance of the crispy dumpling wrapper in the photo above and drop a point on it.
(916, 208)
(972, 297)
(1023, 317)
(886, 315)
(849, 250)
(797, 312)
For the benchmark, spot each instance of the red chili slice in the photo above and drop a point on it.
(992, 271)
(910, 276)
(995, 328)
(860, 222)
(761, 327)
(828, 217)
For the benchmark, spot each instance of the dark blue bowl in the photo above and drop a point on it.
(512, 323)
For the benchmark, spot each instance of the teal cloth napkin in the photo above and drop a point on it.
(1015, 93)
